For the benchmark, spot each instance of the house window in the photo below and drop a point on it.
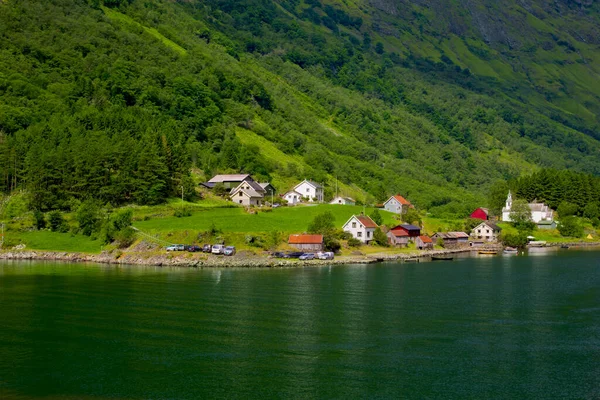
(307, 190)
(240, 201)
(359, 234)
(354, 224)
(487, 231)
(478, 230)
(368, 234)
(240, 194)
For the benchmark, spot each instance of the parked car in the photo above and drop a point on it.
(229, 251)
(180, 247)
(217, 248)
(193, 248)
(278, 254)
(325, 255)
(307, 256)
(276, 205)
(293, 254)
(173, 247)
(207, 248)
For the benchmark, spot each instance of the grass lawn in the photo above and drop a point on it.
(284, 219)
(46, 240)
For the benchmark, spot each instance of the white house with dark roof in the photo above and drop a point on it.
(361, 227)
(311, 190)
(397, 204)
(539, 211)
(292, 197)
(230, 181)
(487, 231)
(343, 200)
(248, 193)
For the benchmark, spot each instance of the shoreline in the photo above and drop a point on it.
(202, 260)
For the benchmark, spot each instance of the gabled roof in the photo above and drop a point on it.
(265, 184)
(399, 199)
(399, 233)
(425, 239)
(490, 224)
(207, 185)
(305, 239)
(313, 184)
(366, 221)
(410, 227)
(253, 186)
(460, 234)
(230, 178)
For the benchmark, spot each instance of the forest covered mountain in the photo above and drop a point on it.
(120, 99)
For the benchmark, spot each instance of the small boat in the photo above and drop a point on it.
(510, 250)
(442, 258)
(411, 260)
(488, 252)
(564, 246)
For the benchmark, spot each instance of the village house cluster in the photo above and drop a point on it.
(245, 191)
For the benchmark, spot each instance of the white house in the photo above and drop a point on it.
(487, 231)
(312, 190)
(292, 197)
(361, 227)
(248, 193)
(397, 204)
(539, 211)
(343, 200)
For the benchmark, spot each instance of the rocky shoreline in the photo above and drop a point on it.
(209, 261)
(242, 260)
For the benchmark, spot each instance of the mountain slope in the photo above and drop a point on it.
(432, 99)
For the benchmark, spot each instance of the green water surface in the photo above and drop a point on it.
(500, 327)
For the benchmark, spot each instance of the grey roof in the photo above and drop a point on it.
(410, 227)
(538, 207)
(315, 184)
(451, 235)
(491, 225)
(230, 178)
(265, 184)
(255, 186)
(207, 185)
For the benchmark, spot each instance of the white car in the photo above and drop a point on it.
(327, 255)
(218, 249)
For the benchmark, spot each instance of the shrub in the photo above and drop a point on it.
(376, 217)
(331, 244)
(40, 221)
(380, 238)
(352, 242)
(124, 238)
(57, 222)
(182, 212)
(88, 217)
(514, 239)
(570, 226)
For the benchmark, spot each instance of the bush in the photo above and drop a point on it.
(331, 244)
(40, 221)
(88, 217)
(571, 227)
(514, 239)
(380, 238)
(124, 238)
(352, 242)
(182, 212)
(57, 222)
(376, 217)
(566, 209)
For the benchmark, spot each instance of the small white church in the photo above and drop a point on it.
(539, 211)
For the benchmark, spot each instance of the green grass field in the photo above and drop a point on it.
(284, 219)
(54, 241)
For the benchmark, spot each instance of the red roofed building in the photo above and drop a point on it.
(397, 204)
(480, 213)
(424, 242)
(306, 242)
(361, 227)
(398, 238)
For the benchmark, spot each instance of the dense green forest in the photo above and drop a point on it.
(119, 100)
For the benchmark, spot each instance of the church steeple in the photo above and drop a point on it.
(509, 201)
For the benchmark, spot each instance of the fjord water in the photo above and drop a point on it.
(498, 327)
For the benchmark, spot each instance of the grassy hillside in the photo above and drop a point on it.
(118, 100)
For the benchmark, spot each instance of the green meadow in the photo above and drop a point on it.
(237, 220)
